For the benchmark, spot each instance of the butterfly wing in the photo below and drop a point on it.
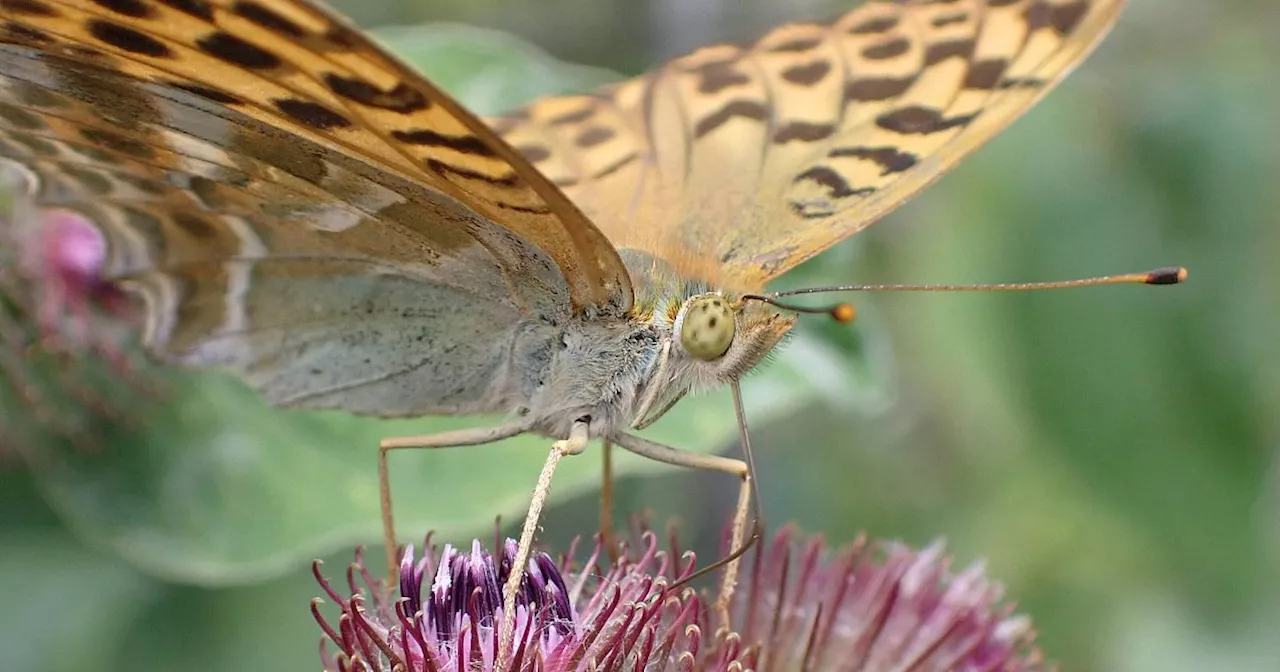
(292, 202)
(736, 163)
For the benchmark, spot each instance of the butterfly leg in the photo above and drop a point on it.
(606, 500)
(684, 458)
(464, 437)
(576, 443)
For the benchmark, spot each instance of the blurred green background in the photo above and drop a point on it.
(1111, 452)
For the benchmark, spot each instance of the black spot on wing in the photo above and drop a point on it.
(720, 75)
(534, 153)
(443, 168)
(200, 9)
(920, 120)
(886, 50)
(342, 36)
(311, 114)
(950, 19)
(941, 51)
(593, 136)
(403, 98)
(870, 89)
(739, 108)
(808, 74)
(890, 159)
(28, 8)
(127, 39)
(875, 26)
(265, 18)
(466, 144)
(832, 181)
(135, 8)
(1062, 19)
(986, 75)
(233, 50)
(803, 131)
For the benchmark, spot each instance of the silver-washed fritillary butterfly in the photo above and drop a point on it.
(296, 205)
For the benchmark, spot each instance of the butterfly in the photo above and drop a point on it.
(294, 204)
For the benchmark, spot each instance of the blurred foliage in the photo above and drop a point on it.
(1111, 451)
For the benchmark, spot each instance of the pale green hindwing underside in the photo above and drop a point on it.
(249, 267)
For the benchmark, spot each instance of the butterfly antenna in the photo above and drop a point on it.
(843, 312)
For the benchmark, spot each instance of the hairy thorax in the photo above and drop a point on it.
(594, 370)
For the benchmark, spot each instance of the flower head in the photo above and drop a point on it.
(449, 604)
(62, 324)
(872, 606)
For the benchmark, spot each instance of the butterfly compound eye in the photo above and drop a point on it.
(707, 328)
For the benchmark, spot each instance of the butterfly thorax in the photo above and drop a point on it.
(627, 372)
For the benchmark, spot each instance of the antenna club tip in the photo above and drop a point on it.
(843, 313)
(1171, 275)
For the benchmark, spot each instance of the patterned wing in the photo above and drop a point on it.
(299, 68)
(735, 163)
(293, 203)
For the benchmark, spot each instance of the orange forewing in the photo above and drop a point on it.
(297, 67)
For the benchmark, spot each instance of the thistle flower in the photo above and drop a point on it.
(871, 606)
(874, 605)
(446, 614)
(64, 330)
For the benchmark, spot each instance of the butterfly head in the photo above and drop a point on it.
(713, 339)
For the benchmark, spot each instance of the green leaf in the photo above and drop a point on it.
(69, 605)
(488, 71)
